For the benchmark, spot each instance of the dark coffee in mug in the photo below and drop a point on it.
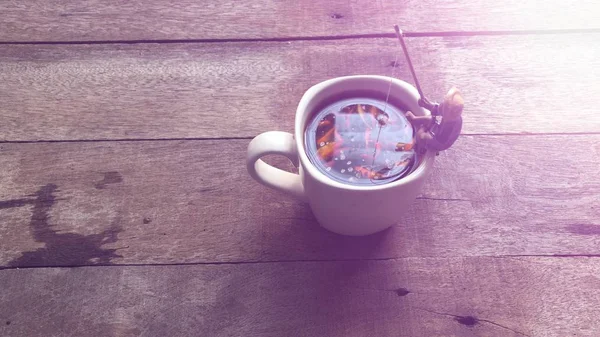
(361, 140)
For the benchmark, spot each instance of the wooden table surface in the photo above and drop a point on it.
(126, 208)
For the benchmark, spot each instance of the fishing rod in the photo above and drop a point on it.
(423, 102)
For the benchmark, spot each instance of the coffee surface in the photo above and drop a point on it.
(361, 141)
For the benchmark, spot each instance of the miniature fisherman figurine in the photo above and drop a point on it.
(440, 136)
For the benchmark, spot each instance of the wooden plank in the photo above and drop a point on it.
(502, 297)
(92, 20)
(193, 201)
(511, 85)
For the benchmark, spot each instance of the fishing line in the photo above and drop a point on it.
(387, 98)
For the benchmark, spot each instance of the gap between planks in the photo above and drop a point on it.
(251, 137)
(320, 38)
(233, 263)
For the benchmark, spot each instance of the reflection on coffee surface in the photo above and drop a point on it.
(361, 141)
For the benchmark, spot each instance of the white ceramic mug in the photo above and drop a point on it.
(340, 208)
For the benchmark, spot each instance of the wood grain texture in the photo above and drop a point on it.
(93, 20)
(165, 202)
(503, 297)
(511, 84)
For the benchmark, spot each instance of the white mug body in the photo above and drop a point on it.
(341, 208)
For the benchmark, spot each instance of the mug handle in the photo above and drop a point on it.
(275, 142)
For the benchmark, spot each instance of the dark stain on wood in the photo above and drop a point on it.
(112, 177)
(7, 322)
(208, 189)
(60, 248)
(5, 204)
(336, 16)
(394, 64)
(584, 229)
(467, 320)
(146, 221)
(402, 292)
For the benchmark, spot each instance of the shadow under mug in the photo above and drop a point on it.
(340, 208)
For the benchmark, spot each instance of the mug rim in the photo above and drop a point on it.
(311, 170)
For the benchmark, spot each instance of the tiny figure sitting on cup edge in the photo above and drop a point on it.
(435, 134)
